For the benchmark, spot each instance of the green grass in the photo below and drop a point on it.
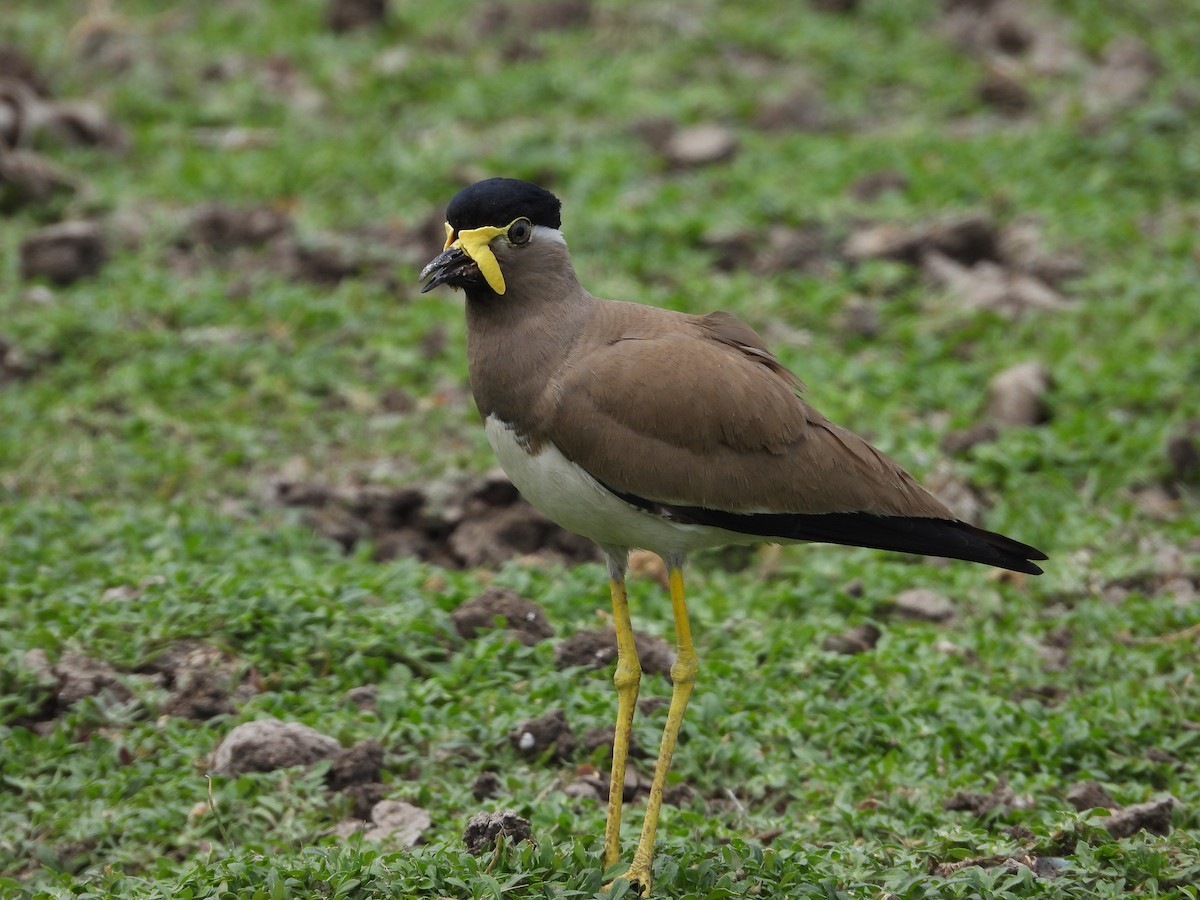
(135, 451)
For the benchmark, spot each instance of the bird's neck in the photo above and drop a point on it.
(518, 343)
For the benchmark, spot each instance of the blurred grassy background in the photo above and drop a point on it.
(145, 411)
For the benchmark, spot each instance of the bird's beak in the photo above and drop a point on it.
(469, 250)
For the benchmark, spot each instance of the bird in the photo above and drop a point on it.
(641, 427)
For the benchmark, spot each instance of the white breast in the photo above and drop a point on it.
(565, 493)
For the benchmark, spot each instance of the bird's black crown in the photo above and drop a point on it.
(498, 201)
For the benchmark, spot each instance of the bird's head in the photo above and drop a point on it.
(492, 228)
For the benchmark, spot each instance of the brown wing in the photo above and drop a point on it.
(696, 412)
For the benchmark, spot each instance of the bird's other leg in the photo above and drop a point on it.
(683, 677)
(627, 679)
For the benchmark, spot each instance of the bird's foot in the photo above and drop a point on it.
(638, 877)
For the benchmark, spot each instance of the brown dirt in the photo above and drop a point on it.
(1086, 795)
(267, 744)
(348, 15)
(858, 639)
(546, 733)
(484, 829)
(357, 765)
(502, 607)
(486, 786)
(1008, 269)
(1017, 395)
(204, 680)
(1041, 866)
(923, 604)
(598, 648)
(479, 522)
(364, 797)
(1000, 798)
(1153, 816)
(364, 696)
(16, 364)
(76, 677)
(392, 822)
(64, 253)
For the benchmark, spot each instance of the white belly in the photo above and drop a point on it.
(569, 496)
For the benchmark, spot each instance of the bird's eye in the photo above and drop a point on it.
(520, 231)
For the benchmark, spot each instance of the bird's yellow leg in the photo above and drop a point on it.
(683, 677)
(627, 679)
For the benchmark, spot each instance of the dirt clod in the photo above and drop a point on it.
(502, 607)
(858, 639)
(363, 797)
(360, 764)
(874, 185)
(1090, 795)
(79, 676)
(1183, 452)
(1004, 93)
(199, 695)
(485, 828)
(64, 253)
(392, 822)
(267, 744)
(202, 678)
(347, 15)
(804, 110)
(365, 697)
(923, 604)
(1017, 395)
(1001, 797)
(486, 785)
(1153, 816)
(549, 732)
(28, 179)
(459, 523)
(221, 227)
(966, 239)
(700, 145)
(598, 648)
(956, 443)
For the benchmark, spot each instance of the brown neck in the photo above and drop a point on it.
(516, 343)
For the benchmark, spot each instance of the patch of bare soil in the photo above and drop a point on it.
(485, 829)
(858, 639)
(350, 15)
(1153, 816)
(486, 785)
(204, 680)
(395, 823)
(1031, 61)
(549, 733)
(1008, 270)
(267, 744)
(72, 678)
(1041, 866)
(64, 253)
(924, 605)
(1086, 795)
(263, 239)
(502, 607)
(806, 249)
(1000, 798)
(597, 648)
(16, 364)
(1017, 395)
(690, 146)
(33, 123)
(476, 522)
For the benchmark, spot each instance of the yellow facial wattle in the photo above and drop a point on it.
(476, 243)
